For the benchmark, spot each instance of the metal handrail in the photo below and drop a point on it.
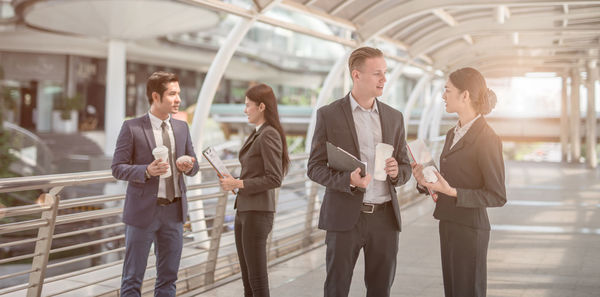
(295, 228)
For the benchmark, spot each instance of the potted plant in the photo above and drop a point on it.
(64, 118)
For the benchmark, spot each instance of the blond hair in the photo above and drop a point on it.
(359, 55)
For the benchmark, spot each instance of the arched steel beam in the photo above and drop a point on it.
(484, 47)
(482, 27)
(517, 59)
(410, 9)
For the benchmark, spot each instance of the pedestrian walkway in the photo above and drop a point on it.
(544, 243)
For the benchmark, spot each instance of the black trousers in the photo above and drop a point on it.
(464, 259)
(251, 231)
(377, 235)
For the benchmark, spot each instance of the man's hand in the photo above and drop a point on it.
(358, 181)
(157, 167)
(185, 166)
(391, 167)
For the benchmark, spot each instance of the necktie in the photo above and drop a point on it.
(169, 183)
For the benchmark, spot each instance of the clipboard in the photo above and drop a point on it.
(421, 156)
(217, 164)
(342, 160)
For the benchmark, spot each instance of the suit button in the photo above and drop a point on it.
(443, 159)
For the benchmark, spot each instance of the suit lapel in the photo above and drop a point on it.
(251, 139)
(347, 109)
(148, 131)
(466, 139)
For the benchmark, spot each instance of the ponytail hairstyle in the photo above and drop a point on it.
(483, 100)
(262, 93)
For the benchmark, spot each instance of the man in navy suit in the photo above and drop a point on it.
(155, 207)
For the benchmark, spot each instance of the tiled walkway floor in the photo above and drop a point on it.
(545, 242)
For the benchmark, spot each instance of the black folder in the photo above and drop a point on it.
(342, 160)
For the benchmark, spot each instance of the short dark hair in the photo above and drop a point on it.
(157, 82)
(359, 55)
(469, 79)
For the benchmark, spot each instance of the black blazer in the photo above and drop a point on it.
(341, 205)
(475, 167)
(262, 170)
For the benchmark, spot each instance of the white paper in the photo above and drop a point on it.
(213, 158)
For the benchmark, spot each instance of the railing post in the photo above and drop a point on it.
(310, 214)
(215, 239)
(43, 243)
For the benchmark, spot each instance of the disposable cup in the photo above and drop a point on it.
(162, 152)
(382, 152)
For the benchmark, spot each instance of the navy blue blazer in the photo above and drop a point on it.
(133, 154)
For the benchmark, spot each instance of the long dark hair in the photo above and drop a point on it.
(262, 93)
(469, 79)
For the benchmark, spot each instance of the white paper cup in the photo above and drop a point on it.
(429, 174)
(162, 152)
(383, 151)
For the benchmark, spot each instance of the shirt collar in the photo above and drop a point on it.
(466, 127)
(156, 122)
(258, 127)
(354, 105)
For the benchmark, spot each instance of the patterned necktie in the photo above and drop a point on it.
(169, 183)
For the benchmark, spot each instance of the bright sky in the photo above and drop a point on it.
(527, 96)
(533, 96)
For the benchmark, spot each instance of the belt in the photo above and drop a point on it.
(165, 201)
(371, 207)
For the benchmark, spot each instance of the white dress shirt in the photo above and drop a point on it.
(157, 131)
(459, 131)
(368, 130)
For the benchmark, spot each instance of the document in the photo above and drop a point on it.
(342, 160)
(213, 159)
(419, 153)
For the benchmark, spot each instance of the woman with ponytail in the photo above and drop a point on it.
(471, 178)
(264, 159)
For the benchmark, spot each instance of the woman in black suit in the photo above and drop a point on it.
(264, 159)
(471, 179)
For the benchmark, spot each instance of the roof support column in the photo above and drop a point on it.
(116, 68)
(213, 78)
(413, 98)
(590, 130)
(564, 122)
(431, 113)
(575, 116)
(389, 86)
(205, 98)
(330, 81)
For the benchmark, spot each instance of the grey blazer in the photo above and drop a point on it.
(475, 167)
(262, 170)
(341, 205)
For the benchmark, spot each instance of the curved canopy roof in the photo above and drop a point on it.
(500, 37)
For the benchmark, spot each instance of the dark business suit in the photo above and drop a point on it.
(341, 207)
(146, 221)
(475, 167)
(262, 173)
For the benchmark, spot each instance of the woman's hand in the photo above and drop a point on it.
(440, 186)
(417, 171)
(229, 183)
